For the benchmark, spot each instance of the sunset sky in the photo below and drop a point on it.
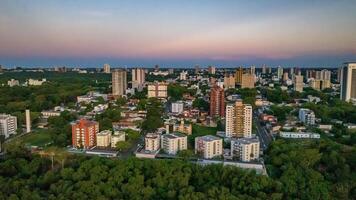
(177, 33)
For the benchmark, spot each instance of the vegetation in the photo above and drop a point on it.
(201, 104)
(153, 119)
(313, 169)
(198, 130)
(280, 112)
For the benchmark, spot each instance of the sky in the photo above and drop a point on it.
(177, 33)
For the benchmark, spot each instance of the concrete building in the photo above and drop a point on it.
(217, 101)
(238, 75)
(28, 121)
(209, 146)
(183, 75)
(238, 120)
(118, 136)
(84, 133)
(35, 82)
(8, 125)
(103, 139)
(211, 70)
(173, 142)
(299, 135)
(298, 83)
(13, 83)
(306, 116)
(119, 82)
(229, 81)
(279, 72)
(348, 82)
(285, 76)
(152, 142)
(177, 107)
(138, 78)
(248, 81)
(179, 127)
(157, 90)
(106, 68)
(253, 70)
(245, 149)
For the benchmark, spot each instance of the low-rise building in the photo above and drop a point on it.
(307, 116)
(117, 137)
(157, 90)
(173, 142)
(177, 107)
(299, 135)
(103, 138)
(35, 82)
(152, 142)
(13, 83)
(245, 149)
(209, 146)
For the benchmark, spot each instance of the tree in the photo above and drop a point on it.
(123, 145)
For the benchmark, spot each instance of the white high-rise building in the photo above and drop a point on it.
(307, 116)
(245, 149)
(238, 120)
(279, 72)
(8, 125)
(348, 82)
(183, 75)
(138, 78)
(119, 82)
(209, 146)
(152, 142)
(28, 121)
(106, 68)
(173, 142)
(177, 107)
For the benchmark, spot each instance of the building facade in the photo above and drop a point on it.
(152, 142)
(306, 116)
(248, 81)
(209, 146)
(229, 81)
(106, 68)
(173, 142)
(238, 120)
(103, 139)
(348, 82)
(138, 78)
(217, 101)
(8, 125)
(245, 149)
(119, 82)
(84, 133)
(157, 90)
(298, 83)
(177, 107)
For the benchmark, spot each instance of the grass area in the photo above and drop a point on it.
(200, 131)
(38, 138)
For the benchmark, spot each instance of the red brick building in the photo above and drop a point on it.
(217, 101)
(84, 133)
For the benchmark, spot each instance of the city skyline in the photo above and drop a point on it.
(177, 34)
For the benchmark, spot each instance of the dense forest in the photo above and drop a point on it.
(297, 170)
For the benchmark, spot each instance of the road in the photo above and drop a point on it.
(265, 137)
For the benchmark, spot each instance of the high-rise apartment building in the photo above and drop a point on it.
(245, 149)
(298, 83)
(152, 142)
(8, 125)
(238, 75)
(197, 69)
(106, 68)
(264, 69)
(248, 81)
(209, 146)
(119, 82)
(348, 82)
(217, 101)
(138, 78)
(238, 120)
(229, 81)
(173, 142)
(183, 75)
(253, 70)
(285, 76)
(177, 107)
(157, 90)
(279, 72)
(84, 133)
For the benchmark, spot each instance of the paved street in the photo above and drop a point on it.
(264, 136)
